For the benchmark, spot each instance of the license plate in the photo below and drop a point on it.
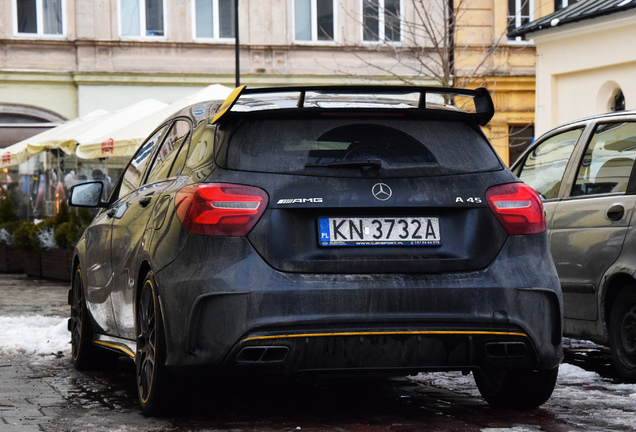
(379, 231)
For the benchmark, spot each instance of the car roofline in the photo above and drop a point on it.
(594, 117)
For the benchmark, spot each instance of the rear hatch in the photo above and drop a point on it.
(368, 194)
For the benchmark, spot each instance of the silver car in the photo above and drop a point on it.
(584, 172)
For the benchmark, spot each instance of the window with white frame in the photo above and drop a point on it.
(40, 17)
(142, 18)
(381, 20)
(314, 20)
(214, 19)
(519, 13)
(560, 4)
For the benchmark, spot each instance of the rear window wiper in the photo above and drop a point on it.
(374, 164)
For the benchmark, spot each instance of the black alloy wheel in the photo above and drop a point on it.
(152, 379)
(622, 329)
(82, 348)
(517, 389)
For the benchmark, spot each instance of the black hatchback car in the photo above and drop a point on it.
(346, 229)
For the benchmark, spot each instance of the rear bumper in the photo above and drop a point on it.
(241, 315)
(388, 350)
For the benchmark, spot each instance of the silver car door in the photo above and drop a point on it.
(589, 226)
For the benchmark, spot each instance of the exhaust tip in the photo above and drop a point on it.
(505, 350)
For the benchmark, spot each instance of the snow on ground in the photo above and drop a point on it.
(581, 398)
(34, 334)
(573, 382)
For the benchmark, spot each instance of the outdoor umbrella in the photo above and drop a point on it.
(125, 138)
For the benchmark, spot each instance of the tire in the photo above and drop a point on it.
(516, 389)
(153, 382)
(622, 332)
(83, 352)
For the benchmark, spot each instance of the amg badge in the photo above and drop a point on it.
(299, 200)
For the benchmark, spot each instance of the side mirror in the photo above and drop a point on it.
(87, 195)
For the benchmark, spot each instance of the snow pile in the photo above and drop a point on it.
(570, 374)
(38, 335)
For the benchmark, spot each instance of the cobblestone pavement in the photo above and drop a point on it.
(44, 393)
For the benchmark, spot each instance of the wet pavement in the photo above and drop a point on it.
(42, 392)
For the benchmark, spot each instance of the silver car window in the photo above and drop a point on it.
(544, 166)
(609, 158)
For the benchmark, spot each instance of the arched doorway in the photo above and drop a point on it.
(18, 122)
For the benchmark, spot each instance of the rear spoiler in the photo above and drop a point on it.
(483, 112)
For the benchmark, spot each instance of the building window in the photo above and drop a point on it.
(617, 102)
(520, 137)
(314, 20)
(214, 19)
(519, 13)
(381, 20)
(142, 18)
(40, 17)
(560, 4)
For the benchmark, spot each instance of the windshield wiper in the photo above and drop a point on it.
(374, 164)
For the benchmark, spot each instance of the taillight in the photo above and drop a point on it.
(220, 209)
(518, 208)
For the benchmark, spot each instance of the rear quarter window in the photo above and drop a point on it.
(331, 147)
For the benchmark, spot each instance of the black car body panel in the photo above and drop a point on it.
(245, 297)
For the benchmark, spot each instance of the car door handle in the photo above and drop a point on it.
(111, 213)
(616, 212)
(145, 201)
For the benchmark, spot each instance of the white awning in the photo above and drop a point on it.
(61, 137)
(125, 139)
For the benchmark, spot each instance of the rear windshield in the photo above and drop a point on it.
(358, 148)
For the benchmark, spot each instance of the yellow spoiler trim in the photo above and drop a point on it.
(229, 103)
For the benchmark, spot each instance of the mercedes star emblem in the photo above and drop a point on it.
(381, 191)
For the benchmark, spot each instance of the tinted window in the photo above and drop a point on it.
(132, 176)
(404, 147)
(609, 157)
(544, 166)
(165, 157)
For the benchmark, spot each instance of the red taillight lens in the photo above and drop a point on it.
(517, 207)
(220, 209)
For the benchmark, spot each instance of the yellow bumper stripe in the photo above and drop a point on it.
(117, 347)
(385, 333)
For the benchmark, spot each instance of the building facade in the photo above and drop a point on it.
(60, 59)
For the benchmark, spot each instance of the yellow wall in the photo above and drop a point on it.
(514, 99)
(508, 72)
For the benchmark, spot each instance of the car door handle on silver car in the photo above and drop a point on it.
(145, 201)
(615, 212)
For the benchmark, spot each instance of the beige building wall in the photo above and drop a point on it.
(581, 66)
(99, 69)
